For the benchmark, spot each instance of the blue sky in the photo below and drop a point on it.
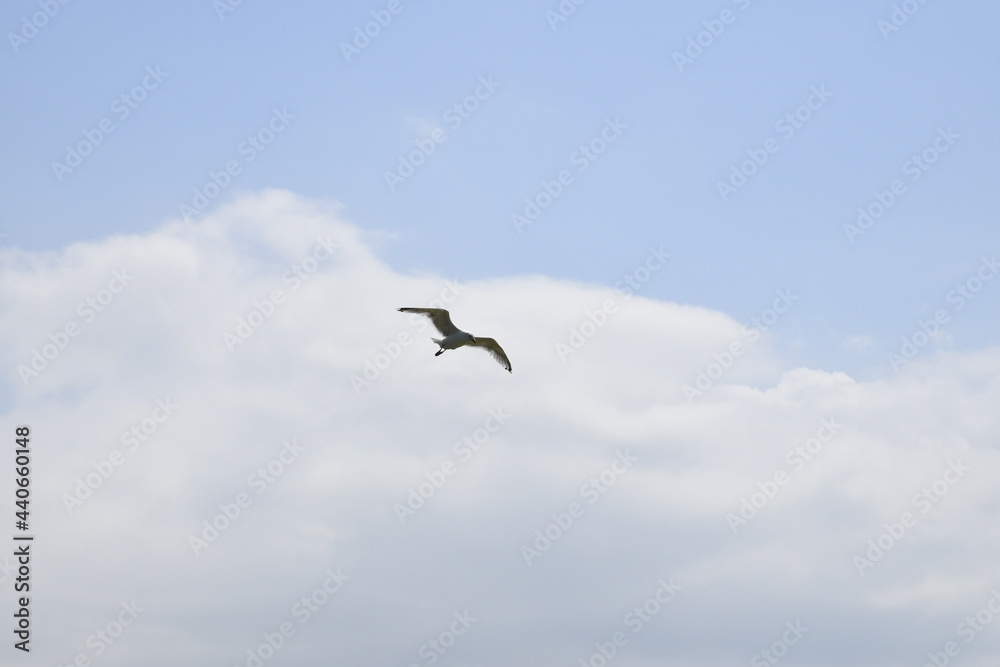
(656, 185)
(693, 296)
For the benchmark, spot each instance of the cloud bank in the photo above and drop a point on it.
(243, 455)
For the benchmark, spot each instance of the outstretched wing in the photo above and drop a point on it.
(494, 349)
(439, 317)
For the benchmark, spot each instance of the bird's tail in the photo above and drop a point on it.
(436, 340)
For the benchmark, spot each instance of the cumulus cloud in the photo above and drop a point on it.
(235, 433)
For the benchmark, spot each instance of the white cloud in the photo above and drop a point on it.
(859, 342)
(162, 336)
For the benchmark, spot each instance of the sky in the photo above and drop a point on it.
(740, 254)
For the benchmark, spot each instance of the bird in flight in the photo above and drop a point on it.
(455, 338)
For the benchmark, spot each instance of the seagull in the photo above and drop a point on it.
(454, 337)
